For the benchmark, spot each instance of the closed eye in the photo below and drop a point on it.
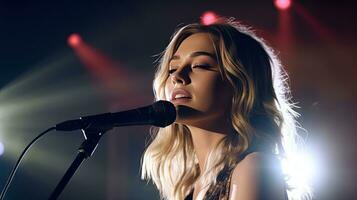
(171, 71)
(203, 66)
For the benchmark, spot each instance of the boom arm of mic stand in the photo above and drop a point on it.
(87, 148)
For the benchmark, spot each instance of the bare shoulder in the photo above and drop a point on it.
(255, 162)
(258, 175)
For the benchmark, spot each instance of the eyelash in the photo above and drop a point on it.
(172, 71)
(203, 66)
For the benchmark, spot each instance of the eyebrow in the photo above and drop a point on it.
(195, 54)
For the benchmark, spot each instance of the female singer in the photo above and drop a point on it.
(235, 121)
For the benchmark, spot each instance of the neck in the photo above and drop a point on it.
(204, 141)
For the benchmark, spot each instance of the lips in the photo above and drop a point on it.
(178, 94)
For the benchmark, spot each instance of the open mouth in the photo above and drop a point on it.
(181, 96)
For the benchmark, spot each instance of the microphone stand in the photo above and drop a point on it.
(92, 135)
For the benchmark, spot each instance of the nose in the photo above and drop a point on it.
(180, 77)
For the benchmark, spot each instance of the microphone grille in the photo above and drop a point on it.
(164, 113)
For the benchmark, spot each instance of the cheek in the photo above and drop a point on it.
(208, 87)
(213, 93)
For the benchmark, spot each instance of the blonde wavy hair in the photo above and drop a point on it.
(262, 114)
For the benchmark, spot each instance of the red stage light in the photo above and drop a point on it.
(208, 18)
(282, 4)
(74, 40)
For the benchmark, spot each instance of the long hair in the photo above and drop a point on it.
(262, 114)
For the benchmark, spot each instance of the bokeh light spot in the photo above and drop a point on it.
(282, 4)
(74, 40)
(2, 148)
(208, 18)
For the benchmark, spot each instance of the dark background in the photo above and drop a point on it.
(43, 82)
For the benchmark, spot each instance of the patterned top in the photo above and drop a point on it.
(221, 190)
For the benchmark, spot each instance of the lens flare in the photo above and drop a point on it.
(301, 170)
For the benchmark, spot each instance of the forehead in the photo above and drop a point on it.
(196, 42)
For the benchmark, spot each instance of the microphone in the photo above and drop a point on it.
(161, 113)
